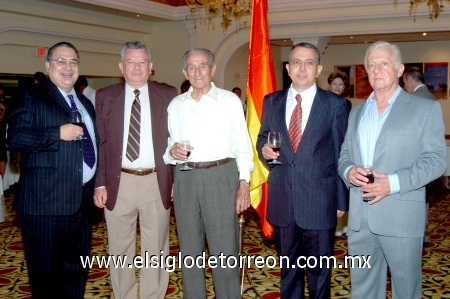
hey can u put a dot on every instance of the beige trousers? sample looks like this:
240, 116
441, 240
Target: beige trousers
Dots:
138, 196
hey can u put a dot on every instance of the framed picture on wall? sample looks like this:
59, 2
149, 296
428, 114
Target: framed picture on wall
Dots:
362, 85
436, 78
349, 70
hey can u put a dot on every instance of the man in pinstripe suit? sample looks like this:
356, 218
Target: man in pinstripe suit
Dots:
57, 174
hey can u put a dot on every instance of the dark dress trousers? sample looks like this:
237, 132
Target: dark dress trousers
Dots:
305, 192
52, 202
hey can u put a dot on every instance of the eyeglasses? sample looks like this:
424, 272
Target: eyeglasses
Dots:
63, 62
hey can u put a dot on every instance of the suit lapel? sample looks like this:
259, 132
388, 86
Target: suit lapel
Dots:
313, 126
397, 111
156, 110
56, 95
357, 121
117, 114
279, 105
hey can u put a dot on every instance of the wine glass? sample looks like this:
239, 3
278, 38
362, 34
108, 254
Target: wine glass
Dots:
369, 175
77, 119
274, 141
187, 147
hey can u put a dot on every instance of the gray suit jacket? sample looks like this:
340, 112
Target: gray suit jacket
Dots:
109, 105
412, 145
424, 92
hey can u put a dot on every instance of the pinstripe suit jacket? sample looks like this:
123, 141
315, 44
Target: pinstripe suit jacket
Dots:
306, 187
109, 105
51, 175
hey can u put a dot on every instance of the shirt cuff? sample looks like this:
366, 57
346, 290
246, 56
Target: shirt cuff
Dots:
394, 183
244, 176
350, 185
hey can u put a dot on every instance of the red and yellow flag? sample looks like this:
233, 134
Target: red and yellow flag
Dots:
260, 81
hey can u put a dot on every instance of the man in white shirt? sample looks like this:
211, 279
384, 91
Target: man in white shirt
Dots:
82, 86
208, 197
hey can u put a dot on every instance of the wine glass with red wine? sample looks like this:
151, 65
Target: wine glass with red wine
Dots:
274, 141
187, 147
369, 175
77, 119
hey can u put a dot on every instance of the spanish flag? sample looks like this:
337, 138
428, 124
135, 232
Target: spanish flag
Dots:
260, 81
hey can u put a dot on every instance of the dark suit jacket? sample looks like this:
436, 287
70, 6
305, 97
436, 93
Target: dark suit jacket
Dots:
110, 106
306, 187
51, 175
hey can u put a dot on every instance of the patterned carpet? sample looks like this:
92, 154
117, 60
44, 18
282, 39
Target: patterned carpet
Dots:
264, 282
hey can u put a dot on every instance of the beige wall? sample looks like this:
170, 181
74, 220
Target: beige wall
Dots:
26, 25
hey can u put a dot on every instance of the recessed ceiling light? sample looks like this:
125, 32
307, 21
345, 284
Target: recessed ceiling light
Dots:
424, 34
138, 16
351, 37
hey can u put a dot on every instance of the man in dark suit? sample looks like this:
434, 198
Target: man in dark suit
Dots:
413, 80
57, 177
132, 178
305, 193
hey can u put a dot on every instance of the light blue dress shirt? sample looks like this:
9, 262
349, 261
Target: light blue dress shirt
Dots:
369, 129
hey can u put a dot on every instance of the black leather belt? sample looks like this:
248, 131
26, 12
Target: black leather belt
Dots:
139, 171
205, 165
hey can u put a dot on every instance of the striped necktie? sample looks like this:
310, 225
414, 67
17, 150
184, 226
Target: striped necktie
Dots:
295, 125
88, 145
134, 132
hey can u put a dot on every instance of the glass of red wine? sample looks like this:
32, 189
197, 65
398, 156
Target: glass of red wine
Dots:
77, 119
369, 175
274, 140
187, 147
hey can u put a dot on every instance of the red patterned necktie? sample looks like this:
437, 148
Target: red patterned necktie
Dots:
295, 125
134, 132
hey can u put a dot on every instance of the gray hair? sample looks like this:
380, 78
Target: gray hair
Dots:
212, 59
415, 73
381, 44
136, 46
305, 45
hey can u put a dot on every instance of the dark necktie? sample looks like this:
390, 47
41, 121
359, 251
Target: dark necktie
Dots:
295, 125
88, 145
134, 132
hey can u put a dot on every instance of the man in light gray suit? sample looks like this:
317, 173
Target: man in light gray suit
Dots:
414, 83
402, 137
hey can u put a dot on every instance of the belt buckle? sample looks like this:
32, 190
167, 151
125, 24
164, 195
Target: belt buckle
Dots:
139, 171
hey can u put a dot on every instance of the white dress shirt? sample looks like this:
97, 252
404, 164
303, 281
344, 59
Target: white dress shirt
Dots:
90, 94
307, 101
215, 127
146, 157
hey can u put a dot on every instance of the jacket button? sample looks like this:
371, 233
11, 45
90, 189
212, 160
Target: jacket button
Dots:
292, 165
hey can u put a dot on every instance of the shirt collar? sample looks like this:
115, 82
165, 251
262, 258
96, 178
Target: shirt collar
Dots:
307, 94
371, 98
212, 93
417, 87
128, 88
